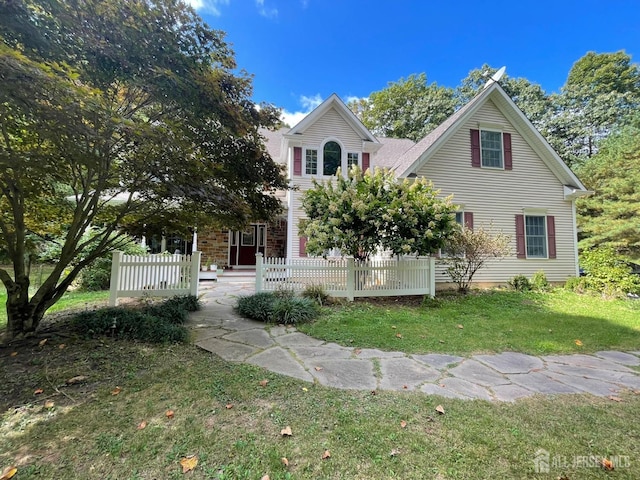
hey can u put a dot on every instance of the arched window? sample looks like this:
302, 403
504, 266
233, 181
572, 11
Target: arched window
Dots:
332, 158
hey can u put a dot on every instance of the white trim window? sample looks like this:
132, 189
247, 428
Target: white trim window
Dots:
311, 161
352, 159
491, 149
536, 236
331, 158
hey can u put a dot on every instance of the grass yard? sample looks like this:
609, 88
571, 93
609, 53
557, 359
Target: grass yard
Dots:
534, 323
232, 423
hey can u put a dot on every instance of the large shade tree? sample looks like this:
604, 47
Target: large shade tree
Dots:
116, 114
363, 212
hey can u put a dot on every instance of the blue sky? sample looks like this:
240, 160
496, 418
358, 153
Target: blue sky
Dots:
302, 51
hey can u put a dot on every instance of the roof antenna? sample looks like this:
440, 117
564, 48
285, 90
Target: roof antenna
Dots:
495, 77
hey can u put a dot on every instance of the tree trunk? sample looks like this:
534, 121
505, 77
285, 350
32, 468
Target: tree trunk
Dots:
23, 316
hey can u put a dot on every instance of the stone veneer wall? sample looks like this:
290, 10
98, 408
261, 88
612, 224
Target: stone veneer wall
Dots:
277, 239
214, 246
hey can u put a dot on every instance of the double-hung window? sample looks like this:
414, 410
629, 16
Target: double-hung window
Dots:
491, 149
311, 162
535, 236
352, 159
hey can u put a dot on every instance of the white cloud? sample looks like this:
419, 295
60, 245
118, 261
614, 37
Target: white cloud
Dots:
208, 6
307, 103
266, 12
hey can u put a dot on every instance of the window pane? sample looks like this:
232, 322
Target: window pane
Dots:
248, 238
311, 162
491, 143
536, 232
332, 158
352, 159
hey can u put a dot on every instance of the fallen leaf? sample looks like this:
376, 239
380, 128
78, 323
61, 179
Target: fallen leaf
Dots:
460, 326
61, 346
393, 326
394, 452
77, 379
305, 389
8, 473
326, 454
169, 414
578, 343
404, 387
189, 463
357, 351
42, 342
142, 425
607, 464
265, 477
116, 391
403, 424
398, 335
441, 341
614, 398
318, 369
373, 392
229, 406
285, 461
49, 404
443, 385
286, 431
263, 383
13, 354
38, 391
440, 409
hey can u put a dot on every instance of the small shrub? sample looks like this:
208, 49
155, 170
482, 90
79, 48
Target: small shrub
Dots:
258, 306
539, 282
608, 273
576, 284
190, 303
294, 310
429, 302
157, 323
520, 283
316, 293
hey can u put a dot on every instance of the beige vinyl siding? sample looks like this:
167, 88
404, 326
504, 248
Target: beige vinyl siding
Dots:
330, 126
496, 196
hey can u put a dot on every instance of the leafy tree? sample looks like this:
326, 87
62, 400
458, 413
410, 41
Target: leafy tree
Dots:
364, 212
611, 216
113, 114
601, 92
408, 108
469, 250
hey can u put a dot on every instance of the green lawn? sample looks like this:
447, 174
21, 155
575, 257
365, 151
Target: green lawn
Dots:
534, 323
224, 416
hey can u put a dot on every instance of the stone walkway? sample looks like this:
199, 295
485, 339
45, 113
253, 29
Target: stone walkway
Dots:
505, 376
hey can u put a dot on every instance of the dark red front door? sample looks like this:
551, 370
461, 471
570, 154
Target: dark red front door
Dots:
245, 245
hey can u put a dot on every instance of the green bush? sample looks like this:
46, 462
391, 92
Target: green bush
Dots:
608, 273
520, 283
277, 307
576, 284
293, 310
539, 282
157, 323
316, 293
257, 307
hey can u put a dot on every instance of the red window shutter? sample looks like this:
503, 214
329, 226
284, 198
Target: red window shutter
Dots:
551, 235
365, 162
475, 148
508, 157
468, 220
303, 247
520, 240
297, 160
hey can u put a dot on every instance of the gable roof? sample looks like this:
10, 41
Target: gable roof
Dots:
422, 151
333, 102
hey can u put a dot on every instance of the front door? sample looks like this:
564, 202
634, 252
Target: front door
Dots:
245, 245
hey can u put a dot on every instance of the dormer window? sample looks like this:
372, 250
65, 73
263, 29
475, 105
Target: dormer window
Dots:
331, 158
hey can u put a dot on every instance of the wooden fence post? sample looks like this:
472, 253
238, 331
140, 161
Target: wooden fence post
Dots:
259, 268
195, 272
432, 276
114, 282
351, 278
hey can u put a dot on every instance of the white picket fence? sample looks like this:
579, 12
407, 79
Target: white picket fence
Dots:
158, 275
346, 277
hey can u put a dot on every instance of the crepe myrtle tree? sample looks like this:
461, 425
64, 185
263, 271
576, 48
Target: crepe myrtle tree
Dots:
363, 212
116, 114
